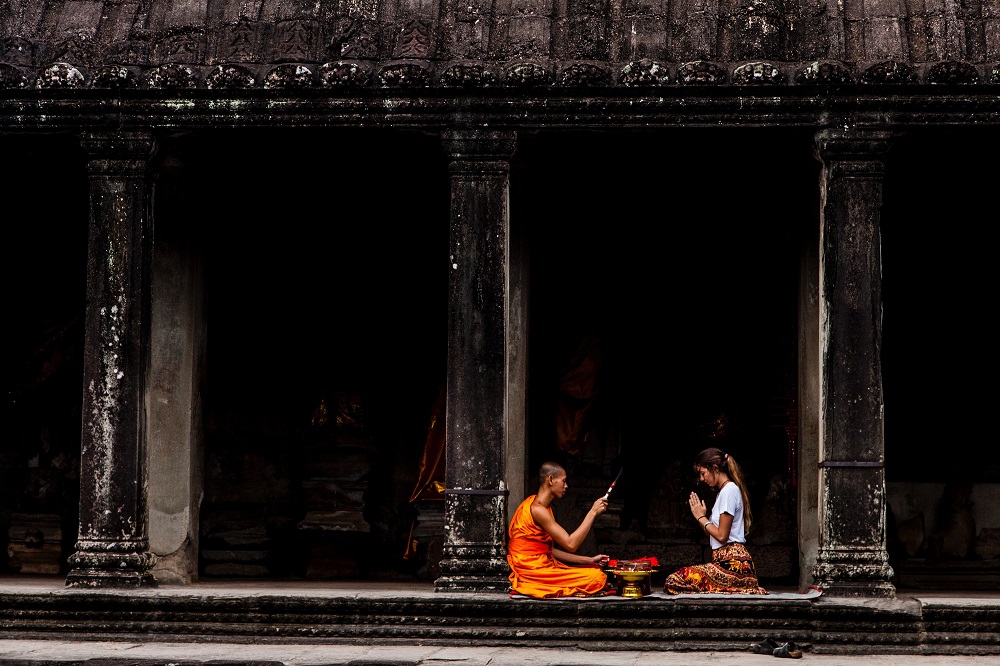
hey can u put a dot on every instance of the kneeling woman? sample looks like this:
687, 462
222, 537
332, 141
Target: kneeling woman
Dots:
731, 569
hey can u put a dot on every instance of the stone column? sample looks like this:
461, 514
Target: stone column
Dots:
113, 550
808, 417
852, 560
177, 353
478, 425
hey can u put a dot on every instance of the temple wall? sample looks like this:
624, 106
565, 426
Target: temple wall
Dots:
855, 32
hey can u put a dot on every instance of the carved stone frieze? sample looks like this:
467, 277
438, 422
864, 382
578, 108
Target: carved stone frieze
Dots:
414, 39
60, 75
230, 76
404, 75
238, 42
584, 74
180, 45
952, 71
11, 77
115, 76
644, 73
289, 76
353, 38
889, 71
468, 76
295, 41
172, 75
824, 73
137, 50
526, 74
342, 75
757, 73
117, 52
76, 47
700, 72
17, 51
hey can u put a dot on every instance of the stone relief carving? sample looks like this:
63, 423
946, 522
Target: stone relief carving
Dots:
76, 47
584, 74
289, 76
756, 73
700, 72
612, 33
60, 75
952, 72
342, 74
414, 40
238, 42
294, 41
115, 76
468, 76
136, 50
186, 45
526, 74
404, 75
888, 71
644, 73
172, 75
826, 73
230, 76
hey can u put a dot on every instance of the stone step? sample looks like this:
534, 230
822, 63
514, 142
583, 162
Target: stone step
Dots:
820, 625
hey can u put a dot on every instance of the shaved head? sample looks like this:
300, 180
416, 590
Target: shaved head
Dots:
549, 468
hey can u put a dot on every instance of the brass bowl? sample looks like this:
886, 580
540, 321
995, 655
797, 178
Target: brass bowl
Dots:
634, 581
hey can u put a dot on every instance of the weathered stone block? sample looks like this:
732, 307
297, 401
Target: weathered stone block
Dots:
527, 8
992, 29
884, 39
642, 38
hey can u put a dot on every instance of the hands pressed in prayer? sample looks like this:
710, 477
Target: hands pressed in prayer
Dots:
697, 505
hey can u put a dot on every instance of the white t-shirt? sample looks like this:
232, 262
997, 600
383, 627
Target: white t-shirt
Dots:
729, 500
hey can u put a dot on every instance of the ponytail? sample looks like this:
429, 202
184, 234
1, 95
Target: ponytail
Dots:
713, 457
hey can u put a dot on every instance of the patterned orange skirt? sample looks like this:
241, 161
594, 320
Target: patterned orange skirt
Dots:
731, 571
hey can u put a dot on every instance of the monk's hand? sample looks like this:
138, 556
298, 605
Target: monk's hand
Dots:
600, 560
600, 506
697, 505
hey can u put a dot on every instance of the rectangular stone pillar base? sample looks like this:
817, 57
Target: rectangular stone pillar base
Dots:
110, 579
876, 590
472, 583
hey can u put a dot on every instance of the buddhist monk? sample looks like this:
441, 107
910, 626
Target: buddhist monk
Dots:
542, 554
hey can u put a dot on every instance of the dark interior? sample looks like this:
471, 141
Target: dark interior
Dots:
677, 251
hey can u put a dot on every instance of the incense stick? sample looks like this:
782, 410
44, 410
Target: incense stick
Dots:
612, 486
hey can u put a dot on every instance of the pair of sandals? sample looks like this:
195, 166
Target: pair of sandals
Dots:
788, 650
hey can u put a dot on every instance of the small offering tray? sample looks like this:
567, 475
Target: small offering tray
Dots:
635, 574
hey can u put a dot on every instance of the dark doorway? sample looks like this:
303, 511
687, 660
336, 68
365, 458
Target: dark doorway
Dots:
668, 264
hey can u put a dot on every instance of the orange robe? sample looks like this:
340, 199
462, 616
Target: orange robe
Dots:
535, 572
